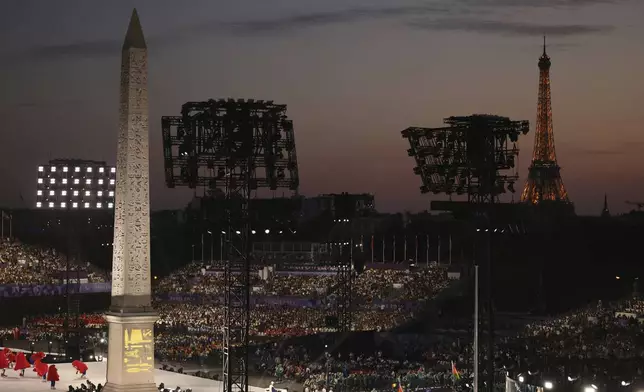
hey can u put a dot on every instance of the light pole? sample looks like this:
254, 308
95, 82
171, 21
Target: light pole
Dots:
212, 245
221, 246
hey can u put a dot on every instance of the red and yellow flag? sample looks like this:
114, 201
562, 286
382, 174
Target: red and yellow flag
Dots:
455, 372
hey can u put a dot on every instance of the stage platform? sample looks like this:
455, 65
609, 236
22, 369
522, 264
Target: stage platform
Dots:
96, 374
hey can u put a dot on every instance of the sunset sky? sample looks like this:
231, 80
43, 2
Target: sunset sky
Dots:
353, 74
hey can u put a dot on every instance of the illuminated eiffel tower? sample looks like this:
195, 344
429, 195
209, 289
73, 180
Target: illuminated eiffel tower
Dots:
544, 178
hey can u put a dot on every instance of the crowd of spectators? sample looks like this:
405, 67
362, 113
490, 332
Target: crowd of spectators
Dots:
594, 343
381, 299
599, 339
373, 283
27, 264
598, 332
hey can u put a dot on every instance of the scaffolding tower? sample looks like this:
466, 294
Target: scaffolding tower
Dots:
234, 146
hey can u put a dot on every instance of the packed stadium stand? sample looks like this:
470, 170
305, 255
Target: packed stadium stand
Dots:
28, 264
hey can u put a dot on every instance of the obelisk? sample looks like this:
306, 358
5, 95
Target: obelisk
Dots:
130, 359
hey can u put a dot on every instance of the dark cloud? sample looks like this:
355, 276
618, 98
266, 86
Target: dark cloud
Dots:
290, 23
509, 28
537, 3
248, 27
294, 22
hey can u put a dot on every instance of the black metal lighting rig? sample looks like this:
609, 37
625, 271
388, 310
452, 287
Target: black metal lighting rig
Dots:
235, 146
470, 156
74, 191
197, 143
344, 290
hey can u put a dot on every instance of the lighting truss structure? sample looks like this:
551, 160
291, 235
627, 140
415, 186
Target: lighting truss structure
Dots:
75, 184
342, 248
198, 145
235, 146
344, 289
471, 155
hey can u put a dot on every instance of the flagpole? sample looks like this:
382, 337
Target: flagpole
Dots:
476, 328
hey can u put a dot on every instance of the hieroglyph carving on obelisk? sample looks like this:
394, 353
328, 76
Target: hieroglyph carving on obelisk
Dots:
131, 259
130, 359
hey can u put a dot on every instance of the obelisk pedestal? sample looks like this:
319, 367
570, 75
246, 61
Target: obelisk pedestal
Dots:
130, 357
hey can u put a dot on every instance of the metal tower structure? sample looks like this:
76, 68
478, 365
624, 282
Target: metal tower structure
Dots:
471, 155
222, 144
544, 181
72, 190
344, 291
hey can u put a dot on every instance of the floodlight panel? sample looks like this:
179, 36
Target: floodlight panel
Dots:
88, 185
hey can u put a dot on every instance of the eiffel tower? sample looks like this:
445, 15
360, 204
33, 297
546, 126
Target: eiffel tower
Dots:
544, 176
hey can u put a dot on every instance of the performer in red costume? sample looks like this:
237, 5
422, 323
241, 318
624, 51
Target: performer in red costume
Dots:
21, 364
41, 369
4, 363
80, 368
52, 376
36, 356
11, 357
